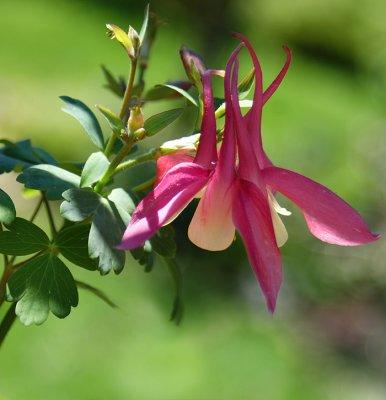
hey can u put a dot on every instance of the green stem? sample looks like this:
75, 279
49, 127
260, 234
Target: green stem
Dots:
110, 143
3, 282
113, 165
123, 115
148, 156
7, 322
50, 216
36, 210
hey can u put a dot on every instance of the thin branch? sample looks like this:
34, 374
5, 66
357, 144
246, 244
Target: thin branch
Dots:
7, 322
50, 216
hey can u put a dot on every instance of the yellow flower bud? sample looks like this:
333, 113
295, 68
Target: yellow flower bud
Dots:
136, 119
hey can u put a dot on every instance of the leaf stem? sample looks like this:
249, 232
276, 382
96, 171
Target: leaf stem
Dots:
50, 216
7, 322
3, 282
113, 165
148, 156
123, 115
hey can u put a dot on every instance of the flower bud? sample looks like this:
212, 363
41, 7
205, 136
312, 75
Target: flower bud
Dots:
135, 40
136, 119
193, 64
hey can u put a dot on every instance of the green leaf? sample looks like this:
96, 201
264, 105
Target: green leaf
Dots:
113, 120
106, 233
41, 285
157, 122
72, 243
109, 219
246, 83
163, 242
182, 92
171, 90
7, 208
50, 179
122, 199
95, 167
144, 256
220, 112
143, 30
115, 85
79, 204
178, 307
86, 118
20, 155
22, 238
97, 292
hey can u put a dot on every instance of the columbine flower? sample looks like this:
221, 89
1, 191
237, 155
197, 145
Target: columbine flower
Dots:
248, 203
180, 184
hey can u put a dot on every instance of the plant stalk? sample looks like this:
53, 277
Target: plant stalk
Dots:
7, 322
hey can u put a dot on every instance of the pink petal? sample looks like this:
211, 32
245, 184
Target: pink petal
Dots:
279, 78
248, 164
252, 217
169, 197
212, 227
253, 117
206, 150
165, 163
328, 217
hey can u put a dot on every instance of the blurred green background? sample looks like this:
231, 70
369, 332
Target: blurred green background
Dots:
327, 339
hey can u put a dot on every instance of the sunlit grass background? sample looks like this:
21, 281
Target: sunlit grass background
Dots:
327, 339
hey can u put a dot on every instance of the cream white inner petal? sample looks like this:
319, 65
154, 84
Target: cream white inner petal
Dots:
281, 233
277, 207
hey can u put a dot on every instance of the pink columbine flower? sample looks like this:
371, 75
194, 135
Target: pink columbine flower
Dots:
241, 196
181, 183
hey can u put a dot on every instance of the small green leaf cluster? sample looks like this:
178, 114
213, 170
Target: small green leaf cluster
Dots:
40, 263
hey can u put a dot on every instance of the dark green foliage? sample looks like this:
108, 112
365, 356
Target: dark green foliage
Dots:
109, 218
49, 179
41, 285
7, 208
72, 243
23, 238
19, 155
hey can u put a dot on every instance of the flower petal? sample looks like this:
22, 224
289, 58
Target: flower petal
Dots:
252, 217
169, 197
328, 217
206, 151
165, 163
212, 227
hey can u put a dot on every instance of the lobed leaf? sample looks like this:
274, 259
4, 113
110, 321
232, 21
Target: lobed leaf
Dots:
72, 242
43, 284
109, 219
22, 238
50, 179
